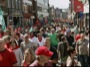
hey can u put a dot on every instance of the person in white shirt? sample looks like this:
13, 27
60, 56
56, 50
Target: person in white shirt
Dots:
70, 60
40, 39
18, 53
27, 44
32, 38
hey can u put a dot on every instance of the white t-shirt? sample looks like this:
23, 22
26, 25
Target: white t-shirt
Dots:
69, 62
42, 42
34, 39
19, 56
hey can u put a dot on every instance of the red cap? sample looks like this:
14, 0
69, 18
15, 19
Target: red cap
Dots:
43, 50
78, 36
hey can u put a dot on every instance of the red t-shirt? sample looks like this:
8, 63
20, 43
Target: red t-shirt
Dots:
7, 45
25, 64
7, 58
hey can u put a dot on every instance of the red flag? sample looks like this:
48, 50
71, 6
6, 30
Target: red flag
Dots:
78, 6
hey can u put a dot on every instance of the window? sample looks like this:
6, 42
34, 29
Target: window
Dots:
25, 9
16, 4
39, 8
19, 4
13, 3
9, 3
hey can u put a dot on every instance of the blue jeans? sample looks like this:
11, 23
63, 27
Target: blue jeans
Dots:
83, 60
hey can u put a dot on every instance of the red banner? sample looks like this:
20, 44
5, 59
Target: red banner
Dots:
78, 6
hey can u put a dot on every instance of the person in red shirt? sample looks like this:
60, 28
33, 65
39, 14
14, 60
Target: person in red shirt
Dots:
18, 53
43, 55
7, 41
7, 57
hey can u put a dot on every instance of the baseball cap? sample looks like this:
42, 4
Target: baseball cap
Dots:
43, 50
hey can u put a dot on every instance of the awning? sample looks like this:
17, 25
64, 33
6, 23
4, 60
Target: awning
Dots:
86, 9
27, 15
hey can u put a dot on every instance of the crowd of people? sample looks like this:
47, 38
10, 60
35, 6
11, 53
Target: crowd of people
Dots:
44, 46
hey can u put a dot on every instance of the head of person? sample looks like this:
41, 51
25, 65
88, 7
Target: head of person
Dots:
39, 35
31, 33
63, 38
68, 32
17, 35
47, 42
71, 52
7, 39
29, 56
82, 36
13, 43
26, 37
2, 43
43, 54
53, 30
7, 32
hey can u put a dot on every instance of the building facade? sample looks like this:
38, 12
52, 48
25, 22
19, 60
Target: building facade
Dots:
84, 21
4, 9
12, 11
27, 12
58, 13
52, 12
42, 8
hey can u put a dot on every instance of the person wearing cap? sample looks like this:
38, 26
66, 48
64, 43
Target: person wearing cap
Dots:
43, 55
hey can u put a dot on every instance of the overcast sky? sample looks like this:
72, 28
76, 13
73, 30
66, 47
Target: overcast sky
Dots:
63, 4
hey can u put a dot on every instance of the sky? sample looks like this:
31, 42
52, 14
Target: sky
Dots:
63, 4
